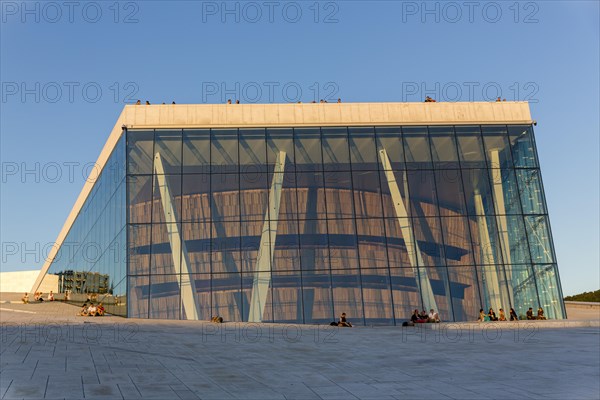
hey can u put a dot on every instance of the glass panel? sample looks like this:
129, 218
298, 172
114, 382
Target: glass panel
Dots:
168, 145
443, 147
465, 293
429, 237
307, 143
311, 195
516, 239
226, 296
138, 296
416, 148
224, 151
225, 203
523, 286
342, 244
226, 247
371, 243
421, 186
280, 140
284, 301
523, 150
254, 196
171, 201
140, 152
316, 295
478, 192
286, 255
246, 295
496, 146
362, 149
139, 250
367, 194
539, 239
532, 196
250, 245
470, 147
440, 286
116, 302
314, 245
347, 295
400, 180
198, 245
377, 296
196, 151
405, 293
505, 191
486, 244
457, 241
336, 155
400, 253
140, 198
288, 203
450, 192
161, 259
390, 139
338, 194
549, 291
164, 297
196, 198
202, 292
253, 155
493, 287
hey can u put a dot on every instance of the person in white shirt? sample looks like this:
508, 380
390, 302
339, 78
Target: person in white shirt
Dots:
51, 296
433, 316
92, 310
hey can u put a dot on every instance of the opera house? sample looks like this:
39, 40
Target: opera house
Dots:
295, 213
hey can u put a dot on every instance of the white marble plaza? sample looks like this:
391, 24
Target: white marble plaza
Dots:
49, 353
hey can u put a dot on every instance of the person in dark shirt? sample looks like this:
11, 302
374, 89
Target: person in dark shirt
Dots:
513, 315
530, 313
344, 322
492, 315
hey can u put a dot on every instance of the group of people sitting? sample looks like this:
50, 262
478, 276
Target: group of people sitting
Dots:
91, 310
423, 317
540, 314
37, 296
491, 315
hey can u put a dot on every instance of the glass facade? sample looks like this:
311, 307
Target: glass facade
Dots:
301, 224
91, 263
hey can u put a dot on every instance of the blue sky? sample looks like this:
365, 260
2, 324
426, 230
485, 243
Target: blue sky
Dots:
68, 69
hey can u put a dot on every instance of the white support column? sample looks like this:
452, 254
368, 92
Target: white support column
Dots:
498, 193
412, 246
490, 274
178, 249
266, 249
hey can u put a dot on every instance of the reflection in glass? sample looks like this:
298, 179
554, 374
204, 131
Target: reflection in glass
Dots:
371, 221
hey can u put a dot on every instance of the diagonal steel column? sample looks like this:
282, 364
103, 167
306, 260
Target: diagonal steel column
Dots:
500, 209
490, 277
414, 252
178, 249
266, 249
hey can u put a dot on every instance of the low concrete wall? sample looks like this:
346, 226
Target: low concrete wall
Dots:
580, 310
582, 304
